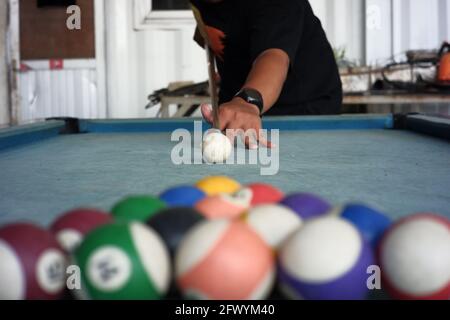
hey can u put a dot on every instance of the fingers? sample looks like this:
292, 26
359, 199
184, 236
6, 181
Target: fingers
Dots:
231, 135
247, 133
250, 140
242, 124
264, 142
207, 113
255, 137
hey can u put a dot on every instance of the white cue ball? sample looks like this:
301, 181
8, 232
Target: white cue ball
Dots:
216, 147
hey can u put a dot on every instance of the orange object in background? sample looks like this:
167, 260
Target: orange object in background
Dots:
444, 66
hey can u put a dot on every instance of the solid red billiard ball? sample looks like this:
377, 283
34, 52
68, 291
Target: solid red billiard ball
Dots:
71, 227
263, 193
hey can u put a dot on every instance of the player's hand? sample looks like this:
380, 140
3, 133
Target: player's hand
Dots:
239, 115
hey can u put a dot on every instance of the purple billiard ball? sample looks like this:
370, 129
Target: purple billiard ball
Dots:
306, 205
326, 259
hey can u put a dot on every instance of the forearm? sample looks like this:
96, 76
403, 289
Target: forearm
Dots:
268, 75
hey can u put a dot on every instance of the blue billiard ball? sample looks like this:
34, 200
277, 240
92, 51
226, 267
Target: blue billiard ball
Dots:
182, 196
371, 223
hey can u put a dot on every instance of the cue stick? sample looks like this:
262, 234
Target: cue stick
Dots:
211, 62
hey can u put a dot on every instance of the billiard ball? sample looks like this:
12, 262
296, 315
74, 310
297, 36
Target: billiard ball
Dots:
182, 196
216, 147
326, 259
137, 208
306, 205
71, 227
414, 257
264, 193
32, 264
225, 205
123, 261
224, 260
273, 222
173, 224
370, 222
215, 185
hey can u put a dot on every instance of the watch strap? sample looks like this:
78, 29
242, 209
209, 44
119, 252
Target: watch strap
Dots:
252, 96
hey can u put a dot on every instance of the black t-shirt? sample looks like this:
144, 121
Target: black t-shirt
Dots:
240, 30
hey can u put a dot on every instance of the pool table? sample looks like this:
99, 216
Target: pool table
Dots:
399, 164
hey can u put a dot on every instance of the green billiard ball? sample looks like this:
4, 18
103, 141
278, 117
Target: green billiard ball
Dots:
137, 208
123, 261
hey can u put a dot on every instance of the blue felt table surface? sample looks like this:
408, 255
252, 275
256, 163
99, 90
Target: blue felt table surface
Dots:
398, 172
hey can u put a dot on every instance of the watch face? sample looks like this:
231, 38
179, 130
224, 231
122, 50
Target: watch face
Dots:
252, 100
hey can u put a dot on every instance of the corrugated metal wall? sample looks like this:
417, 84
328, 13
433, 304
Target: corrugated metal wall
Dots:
395, 26
140, 62
71, 92
343, 22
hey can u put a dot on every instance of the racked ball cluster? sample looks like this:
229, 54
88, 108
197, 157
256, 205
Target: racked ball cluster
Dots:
218, 239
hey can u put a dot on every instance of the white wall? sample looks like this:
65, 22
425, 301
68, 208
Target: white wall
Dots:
375, 30
4, 90
343, 22
405, 25
140, 62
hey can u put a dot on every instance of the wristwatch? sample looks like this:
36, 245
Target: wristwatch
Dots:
252, 96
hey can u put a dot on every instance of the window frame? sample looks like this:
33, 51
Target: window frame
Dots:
146, 18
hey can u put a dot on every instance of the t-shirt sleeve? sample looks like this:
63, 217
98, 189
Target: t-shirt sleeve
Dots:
276, 24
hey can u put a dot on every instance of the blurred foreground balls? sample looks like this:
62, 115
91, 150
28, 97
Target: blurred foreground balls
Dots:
370, 222
326, 259
263, 193
32, 264
182, 196
225, 205
415, 258
218, 184
137, 208
173, 224
71, 227
224, 260
274, 223
123, 262
306, 205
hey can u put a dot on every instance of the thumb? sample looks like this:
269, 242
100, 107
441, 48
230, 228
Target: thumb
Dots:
207, 113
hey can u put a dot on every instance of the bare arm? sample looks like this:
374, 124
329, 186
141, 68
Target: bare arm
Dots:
268, 75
